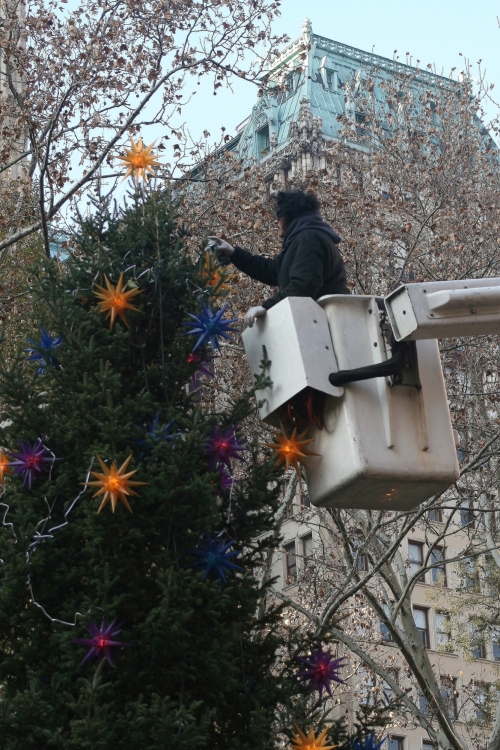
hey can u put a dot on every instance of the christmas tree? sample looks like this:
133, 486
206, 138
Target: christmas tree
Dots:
122, 519
134, 515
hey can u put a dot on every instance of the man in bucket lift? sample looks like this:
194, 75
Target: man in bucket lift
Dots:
309, 264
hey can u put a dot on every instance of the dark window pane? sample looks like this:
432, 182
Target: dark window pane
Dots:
416, 559
290, 561
438, 572
449, 695
385, 632
423, 703
307, 547
421, 621
435, 515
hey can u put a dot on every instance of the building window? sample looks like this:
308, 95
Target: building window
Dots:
366, 686
303, 496
289, 509
495, 637
421, 618
396, 743
331, 79
263, 141
449, 695
290, 84
416, 559
471, 576
439, 569
467, 514
360, 559
428, 745
384, 629
290, 562
478, 645
388, 694
307, 549
481, 695
363, 562
423, 703
443, 634
361, 123
435, 515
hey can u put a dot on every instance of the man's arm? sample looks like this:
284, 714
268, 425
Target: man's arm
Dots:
259, 268
306, 270
255, 266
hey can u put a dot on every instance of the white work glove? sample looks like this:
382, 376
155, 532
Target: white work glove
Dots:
252, 313
224, 249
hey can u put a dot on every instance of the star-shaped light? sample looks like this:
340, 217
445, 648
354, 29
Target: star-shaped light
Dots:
115, 301
291, 449
221, 447
103, 638
31, 460
157, 432
321, 670
368, 743
42, 351
215, 276
4, 465
227, 481
114, 484
210, 326
139, 160
215, 557
203, 364
311, 742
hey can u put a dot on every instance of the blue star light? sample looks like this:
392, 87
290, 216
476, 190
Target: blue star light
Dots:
368, 743
210, 326
156, 432
42, 351
215, 557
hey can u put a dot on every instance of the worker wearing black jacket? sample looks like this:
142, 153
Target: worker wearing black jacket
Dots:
309, 264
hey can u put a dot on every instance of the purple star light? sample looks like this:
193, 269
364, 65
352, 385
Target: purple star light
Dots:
221, 447
227, 482
31, 460
102, 640
215, 556
210, 326
321, 670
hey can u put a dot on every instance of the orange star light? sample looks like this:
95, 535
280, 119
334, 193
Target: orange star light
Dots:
115, 301
114, 484
214, 276
301, 742
139, 160
290, 450
4, 465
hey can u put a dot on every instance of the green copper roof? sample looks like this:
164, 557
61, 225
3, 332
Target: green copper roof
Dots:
318, 70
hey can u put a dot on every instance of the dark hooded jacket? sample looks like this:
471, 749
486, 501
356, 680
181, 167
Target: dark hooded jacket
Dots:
309, 265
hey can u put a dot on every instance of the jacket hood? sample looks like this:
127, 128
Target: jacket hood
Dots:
313, 220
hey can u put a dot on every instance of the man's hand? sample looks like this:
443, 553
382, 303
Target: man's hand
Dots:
252, 314
224, 249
